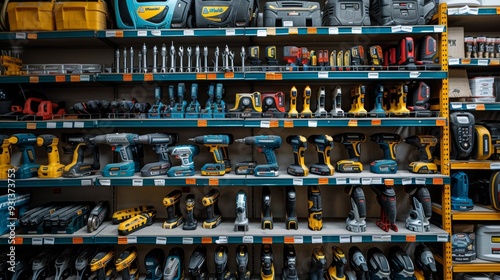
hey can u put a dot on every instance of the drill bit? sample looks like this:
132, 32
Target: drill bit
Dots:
172, 58
125, 69
144, 58
117, 60
205, 55
216, 65
164, 58
181, 55
226, 58
243, 57
131, 60
197, 56
231, 57
155, 53
189, 53
139, 58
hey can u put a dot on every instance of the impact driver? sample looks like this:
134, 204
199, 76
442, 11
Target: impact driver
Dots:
266, 214
289, 271
215, 143
242, 272
174, 216
425, 263
54, 168
315, 209
220, 257
352, 142
425, 145
336, 269
318, 264
191, 223
388, 142
160, 142
291, 221
126, 264
241, 222
211, 203
306, 106
323, 144
299, 145
101, 263
78, 167
266, 144
5, 153
358, 101
130, 154
266, 262
358, 264
26, 143
198, 264
292, 112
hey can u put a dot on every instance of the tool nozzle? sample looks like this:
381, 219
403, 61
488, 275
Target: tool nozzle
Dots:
192, 139
239, 140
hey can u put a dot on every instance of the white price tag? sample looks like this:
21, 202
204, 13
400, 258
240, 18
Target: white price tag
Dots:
317, 239
323, 75
288, 23
137, 182
67, 125
333, 30
495, 165
188, 32
142, 33
414, 74
161, 240
84, 78
354, 181
396, 28
470, 106
37, 241
86, 182
248, 239
51, 125
110, 33
381, 238
105, 182
187, 240
156, 32
406, 181
483, 62
298, 182
366, 181
454, 61
341, 181
20, 35
407, 29
452, 11
265, 124
345, 239
456, 105
312, 123
442, 238
439, 29
298, 239
420, 181
159, 182
473, 11
49, 241
261, 33
373, 75
222, 240
230, 32
79, 125
463, 10
356, 239
356, 30
377, 181
131, 239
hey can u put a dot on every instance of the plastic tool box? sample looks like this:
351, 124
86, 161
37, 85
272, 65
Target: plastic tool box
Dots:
292, 14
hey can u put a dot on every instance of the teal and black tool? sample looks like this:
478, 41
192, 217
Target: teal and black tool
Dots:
26, 143
388, 142
153, 14
460, 192
378, 107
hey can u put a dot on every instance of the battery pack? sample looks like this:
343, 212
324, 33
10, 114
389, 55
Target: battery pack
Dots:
488, 243
232, 13
346, 12
401, 12
31, 16
494, 129
292, 14
482, 147
495, 190
81, 15
155, 14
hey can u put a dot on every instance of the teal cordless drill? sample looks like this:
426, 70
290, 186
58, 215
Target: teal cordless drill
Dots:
26, 143
179, 109
388, 142
156, 110
186, 154
130, 153
194, 108
266, 144
215, 143
160, 142
208, 111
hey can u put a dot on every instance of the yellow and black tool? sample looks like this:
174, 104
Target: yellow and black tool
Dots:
352, 142
333, 60
358, 101
482, 148
247, 105
291, 221
292, 112
318, 264
306, 106
266, 214
425, 145
211, 203
125, 214
127, 265
54, 168
299, 145
340, 60
215, 143
397, 100
315, 218
101, 262
78, 167
323, 144
136, 223
191, 223
376, 57
271, 58
266, 262
347, 60
336, 269
5, 153
253, 55
174, 216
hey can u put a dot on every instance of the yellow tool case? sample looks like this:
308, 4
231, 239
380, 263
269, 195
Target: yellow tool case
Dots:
81, 15
31, 16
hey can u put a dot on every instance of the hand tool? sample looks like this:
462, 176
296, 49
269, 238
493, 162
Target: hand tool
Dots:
292, 112
242, 272
253, 55
378, 265
290, 261
160, 142
220, 257
347, 60
299, 145
125, 58
153, 263
156, 110
125, 214
101, 262
131, 60
352, 142
205, 57
78, 167
266, 262
189, 52
216, 61
340, 60
127, 265
43, 265
336, 268
315, 208
97, 216
460, 192
337, 102
211, 203
54, 168
266, 215
378, 106
273, 105
197, 58
25, 142
198, 264
388, 143
190, 222
155, 59
320, 103
323, 144
401, 264
333, 60
318, 264
425, 263
21, 270
355, 221
193, 108
231, 57
462, 127
117, 60
306, 106
418, 219
376, 57
419, 103
214, 142
405, 53
265, 144
136, 223
386, 198
220, 106
271, 59
174, 265
358, 101
82, 262
144, 58
425, 145
179, 109
129, 151
225, 61
64, 264
247, 105
181, 57
291, 221
5, 153
241, 222
243, 56
139, 62
174, 216
172, 58
186, 154
358, 263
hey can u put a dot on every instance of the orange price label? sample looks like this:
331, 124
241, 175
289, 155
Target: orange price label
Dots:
271, 31
437, 181
18, 241
31, 126
267, 240
77, 240
465, 60
293, 30
322, 181
127, 77
32, 36
312, 30
289, 240
352, 123
376, 122
201, 76
498, 11
148, 77
60, 78
190, 181
75, 78
213, 182
389, 182
495, 62
273, 123
270, 76
119, 34
212, 76
206, 240
122, 240
202, 123
411, 238
229, 75
440, 122
288, 123
278, 76
34, 79
480, 107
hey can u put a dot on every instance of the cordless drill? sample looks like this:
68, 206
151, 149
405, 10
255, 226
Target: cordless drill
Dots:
127, 265
425, 145
266, 144
323, 144
211, 203
174, 216
320, 103
337, 110
266, 215
396, 100
198, 264
352, 142
299, 145
5, 154
318, 264
78, 167
401, 264
241, 222
242, 272
26, 143
160, 142
220, 257
315, 209
185, 153
388, 142
101, 262
215, 144
130, 154
290, 261
425, 263
54, 168
292, 111
378, 265
266, 262
193, 108
336, 269
156, 110
418, 219
355, 221
358, 101
291, 221
386, 198
378, 106
306, 106
190, 223
358, 263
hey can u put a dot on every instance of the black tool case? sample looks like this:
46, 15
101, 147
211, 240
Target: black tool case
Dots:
401, 12
232, 13
346, 13
292, 14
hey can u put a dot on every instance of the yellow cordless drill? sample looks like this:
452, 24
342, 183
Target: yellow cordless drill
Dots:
352, 142
5, 153
315, 219
127, 264
336, 269
174, 216
358, 101
299, 145
292, 112
306, 107
211, 203
425, 145
54, 169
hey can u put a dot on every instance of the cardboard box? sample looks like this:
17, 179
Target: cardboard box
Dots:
456, 46
458, 83
482, 86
